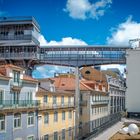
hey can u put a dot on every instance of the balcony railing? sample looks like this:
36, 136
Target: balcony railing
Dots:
57, 105
11, 104
30, 37
100, 102
16, 84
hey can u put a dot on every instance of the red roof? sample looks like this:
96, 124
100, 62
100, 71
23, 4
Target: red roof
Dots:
65, 83
29, 78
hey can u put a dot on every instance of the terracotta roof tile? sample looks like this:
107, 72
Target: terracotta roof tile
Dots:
29, 78
11, 66
65, 83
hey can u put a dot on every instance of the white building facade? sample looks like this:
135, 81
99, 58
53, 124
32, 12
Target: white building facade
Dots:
117, 91
133, 83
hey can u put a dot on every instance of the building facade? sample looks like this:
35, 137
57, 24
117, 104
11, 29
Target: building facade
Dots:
132, 82
96, 113
56, 112
18, 116
117, 91
94, 102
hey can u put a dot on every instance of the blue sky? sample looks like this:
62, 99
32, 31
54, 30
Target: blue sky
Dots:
79, 21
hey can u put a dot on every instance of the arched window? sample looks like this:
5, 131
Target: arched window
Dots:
2, 122
17, 120
55, 116
46, 118
30, 118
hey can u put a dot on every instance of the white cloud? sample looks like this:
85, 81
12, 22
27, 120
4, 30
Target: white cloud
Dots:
64, 41
42, 40
124, 32
83, 9
68, 41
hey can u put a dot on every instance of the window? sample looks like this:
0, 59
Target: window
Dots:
16, 97
55, 116
19, 33
46, 99
17, 120
70, 114
30, 138
62, 100
55, 135
46, 118
1, 97
81, 111
81, 97
63, 134
2, 122
4, 33
93, 98
63, 115
93, 125
46, 137
69, 100
16, 76
70, 132
54, 99
30, 118
29, 98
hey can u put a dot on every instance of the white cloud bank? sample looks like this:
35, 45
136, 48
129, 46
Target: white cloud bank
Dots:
64, 41
83, 9
124, 32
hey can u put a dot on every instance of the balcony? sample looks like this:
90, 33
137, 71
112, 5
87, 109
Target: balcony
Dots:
20, 104
16, 85
83, 103
18, 38
55, 106
101, 102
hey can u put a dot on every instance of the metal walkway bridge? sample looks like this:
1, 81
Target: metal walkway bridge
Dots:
75, 56
83, 55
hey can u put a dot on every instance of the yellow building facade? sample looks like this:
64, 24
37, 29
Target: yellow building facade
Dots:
56, 114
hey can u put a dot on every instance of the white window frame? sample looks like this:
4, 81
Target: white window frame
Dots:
30, 119
30, 136
46, 115
17, 121
55, 116
2, 120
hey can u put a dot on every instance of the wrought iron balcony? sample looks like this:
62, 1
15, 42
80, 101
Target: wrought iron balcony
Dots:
18, 104
17, 84
100, 102
55, 106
